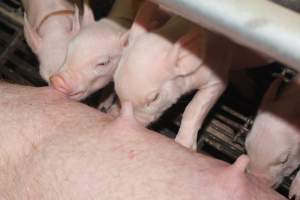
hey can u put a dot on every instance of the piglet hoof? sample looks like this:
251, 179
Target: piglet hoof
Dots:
295, 188
106, 105
114, 110
186, 143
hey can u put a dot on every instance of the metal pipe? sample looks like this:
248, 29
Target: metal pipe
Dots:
291, 4
11, 15
258, 24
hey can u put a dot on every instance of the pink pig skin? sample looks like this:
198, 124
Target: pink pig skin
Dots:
66, 150
273, 142
48, 26
94, 54
160, 66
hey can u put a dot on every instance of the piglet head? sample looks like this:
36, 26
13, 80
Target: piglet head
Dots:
151, 73
273, 144
91, 59
273, 149
50, 39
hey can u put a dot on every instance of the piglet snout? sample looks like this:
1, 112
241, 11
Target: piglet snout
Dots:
59, 83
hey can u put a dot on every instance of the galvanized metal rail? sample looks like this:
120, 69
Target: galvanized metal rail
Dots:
12, 9
258, 24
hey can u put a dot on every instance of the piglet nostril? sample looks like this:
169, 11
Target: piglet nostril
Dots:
60, 84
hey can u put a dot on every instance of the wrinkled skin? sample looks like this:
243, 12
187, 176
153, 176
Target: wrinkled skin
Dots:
158, 67
48, 34
67, 150
94, 54
273, 143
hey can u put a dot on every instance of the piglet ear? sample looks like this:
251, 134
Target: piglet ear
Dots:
188, 53
75, 21
149, 17
32, 37
88, 16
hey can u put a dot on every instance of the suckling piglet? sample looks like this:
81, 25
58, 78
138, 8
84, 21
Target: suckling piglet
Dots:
93, 55
158, 67
48, 26
273, 143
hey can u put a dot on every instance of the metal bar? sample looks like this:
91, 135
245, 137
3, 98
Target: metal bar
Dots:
258, 24
229, 122
234, 113
9, 48
12, 15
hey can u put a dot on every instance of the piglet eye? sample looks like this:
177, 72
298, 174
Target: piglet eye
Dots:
155, 97
284, 158
152, 97
106, 62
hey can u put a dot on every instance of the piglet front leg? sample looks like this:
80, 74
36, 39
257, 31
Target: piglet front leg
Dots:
295, 188
212, 77
196, 112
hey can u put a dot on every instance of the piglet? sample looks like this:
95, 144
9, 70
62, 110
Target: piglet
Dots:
273, 143
67, 150
48, 27
94, 54
158, 67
